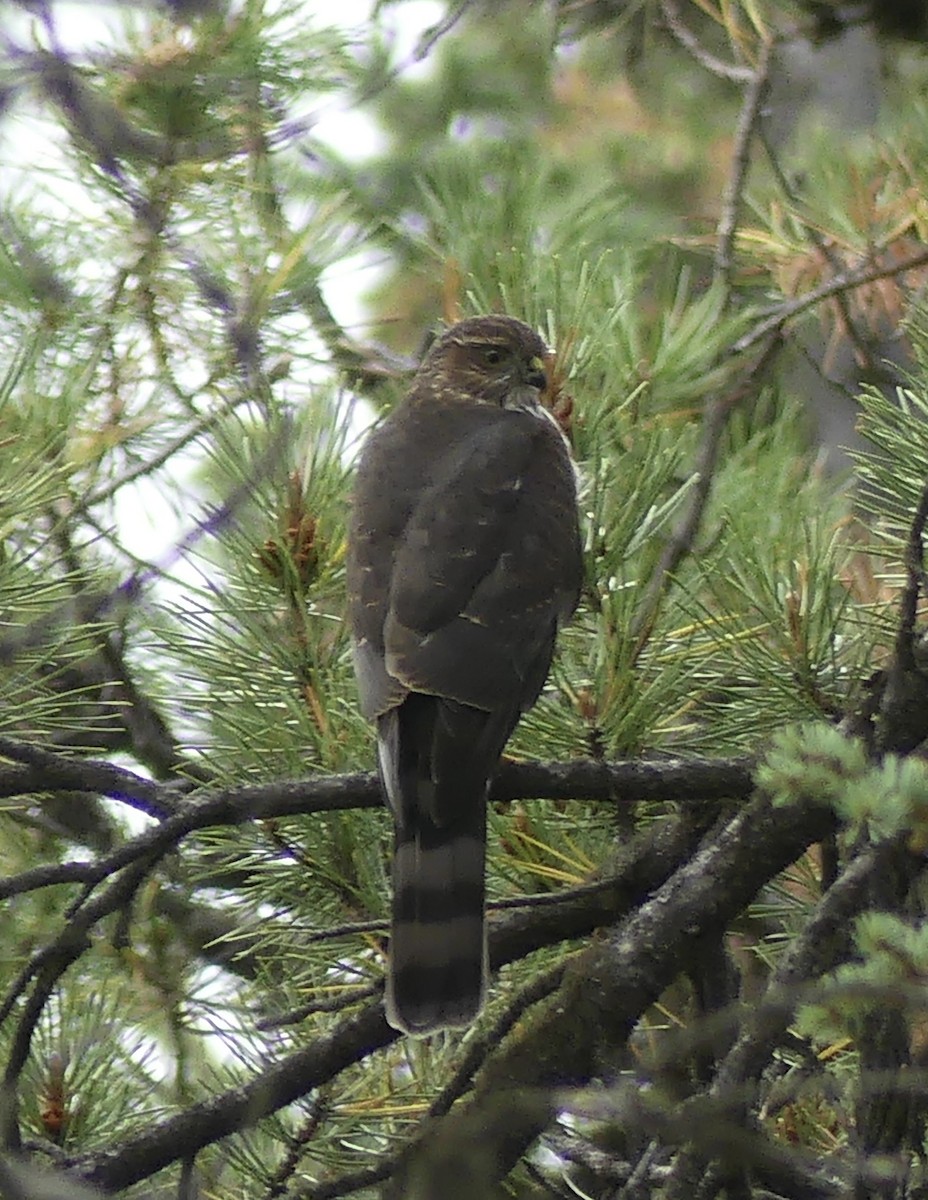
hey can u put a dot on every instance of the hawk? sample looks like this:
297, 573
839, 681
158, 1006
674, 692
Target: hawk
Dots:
463, 560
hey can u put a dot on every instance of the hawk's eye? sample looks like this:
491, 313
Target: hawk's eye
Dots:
492, 355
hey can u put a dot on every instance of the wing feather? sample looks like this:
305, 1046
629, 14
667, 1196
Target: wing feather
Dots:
462, 565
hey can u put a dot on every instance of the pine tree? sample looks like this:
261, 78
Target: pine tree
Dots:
705, 843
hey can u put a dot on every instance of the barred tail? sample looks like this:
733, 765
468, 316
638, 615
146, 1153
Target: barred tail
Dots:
438, 960
435, 760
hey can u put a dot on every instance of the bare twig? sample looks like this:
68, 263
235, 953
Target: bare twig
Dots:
716, 415
278, 1185
344, 1185
478, 1050
673, 19
748, 118
346, 997
431, 36
50, 875
914, 584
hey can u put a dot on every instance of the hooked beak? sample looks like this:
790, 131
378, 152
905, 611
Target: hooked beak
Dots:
537, 376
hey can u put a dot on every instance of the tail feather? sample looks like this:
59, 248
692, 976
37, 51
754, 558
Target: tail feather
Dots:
438, 959
436, 760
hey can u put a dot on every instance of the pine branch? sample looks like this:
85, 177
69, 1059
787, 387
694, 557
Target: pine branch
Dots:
46, 967
183, 1135
787, 1170
640, 869
608, 987
685, 781
683, 539
825, 249
821, 945
893, 716
44, 770
777, 316
673, 19
745, 131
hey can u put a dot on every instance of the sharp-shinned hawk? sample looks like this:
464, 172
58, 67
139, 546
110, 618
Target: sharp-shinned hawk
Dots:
463, 560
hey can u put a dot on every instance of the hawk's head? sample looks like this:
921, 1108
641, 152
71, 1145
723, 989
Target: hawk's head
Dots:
490, 360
